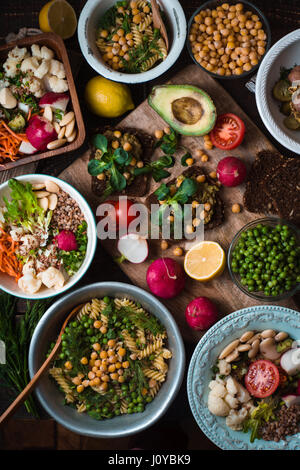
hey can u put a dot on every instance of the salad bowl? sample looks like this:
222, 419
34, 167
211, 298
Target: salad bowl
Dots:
8, 283
204, 357
51, 397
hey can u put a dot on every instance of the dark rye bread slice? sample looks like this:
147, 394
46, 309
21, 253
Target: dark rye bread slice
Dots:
283, 187
218, 216
139, 186
256, 199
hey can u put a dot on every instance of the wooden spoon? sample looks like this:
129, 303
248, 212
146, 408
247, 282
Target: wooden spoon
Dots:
29, 388
158, 22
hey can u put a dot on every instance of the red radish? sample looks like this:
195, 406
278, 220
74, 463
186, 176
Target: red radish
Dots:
133, 248
290, 361
201, 313
66, 241
231, 171
40, 132
55, 100
165, 278
27, 148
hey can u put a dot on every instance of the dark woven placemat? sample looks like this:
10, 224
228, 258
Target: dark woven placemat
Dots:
283, 15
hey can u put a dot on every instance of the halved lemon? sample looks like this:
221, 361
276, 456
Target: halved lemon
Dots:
204, 261
59, 17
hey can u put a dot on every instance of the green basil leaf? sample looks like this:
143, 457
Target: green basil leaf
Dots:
100, 142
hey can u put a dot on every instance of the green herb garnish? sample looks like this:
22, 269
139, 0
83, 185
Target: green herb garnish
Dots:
157, 168
263, 413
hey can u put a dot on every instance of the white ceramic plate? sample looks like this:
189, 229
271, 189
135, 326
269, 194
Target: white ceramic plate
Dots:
8, 284
87, 28
285, 53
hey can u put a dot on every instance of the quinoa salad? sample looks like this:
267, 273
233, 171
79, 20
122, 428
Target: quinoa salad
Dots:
43, 235
256, 384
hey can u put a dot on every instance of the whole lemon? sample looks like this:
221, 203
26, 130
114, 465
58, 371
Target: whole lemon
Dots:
107, 98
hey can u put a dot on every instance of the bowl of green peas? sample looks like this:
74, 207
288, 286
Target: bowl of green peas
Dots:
264, 259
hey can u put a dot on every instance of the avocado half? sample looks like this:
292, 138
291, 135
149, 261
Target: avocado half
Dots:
186, 108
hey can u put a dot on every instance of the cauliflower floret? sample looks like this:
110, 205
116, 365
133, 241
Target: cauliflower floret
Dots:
29, 268
36, 51
232, 386
57, 68
231, 401
29, 284
235, 418
10, 67
58, 85
52, 277
29, 64
217, 388
217, 405
46, 53
224, 367
35, 86
18, 53
43, 69
243, 395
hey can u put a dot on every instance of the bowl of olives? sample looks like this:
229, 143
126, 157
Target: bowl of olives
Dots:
277, 91
264, 259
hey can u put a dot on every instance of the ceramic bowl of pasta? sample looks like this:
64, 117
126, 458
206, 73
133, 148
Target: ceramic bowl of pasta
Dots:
120, 42
48, 236
120, 364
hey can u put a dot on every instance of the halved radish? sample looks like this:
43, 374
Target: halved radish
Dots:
133, 248
55, 100
27, 148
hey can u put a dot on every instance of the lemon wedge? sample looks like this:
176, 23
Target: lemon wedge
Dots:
204, 261
59, 17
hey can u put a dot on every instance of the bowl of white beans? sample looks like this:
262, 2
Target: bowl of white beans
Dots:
228, 40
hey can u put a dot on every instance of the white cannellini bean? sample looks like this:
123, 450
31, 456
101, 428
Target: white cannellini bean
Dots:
55, 144
70, 128
52, 199
254, 349
246, 336
244, 347
56, 127
281, 336
38, 186
251, 340
43, 203
52, 187
48, 114
268, 333
40, 194
232, 356
61, 133
229, 348
72, 137
67, 118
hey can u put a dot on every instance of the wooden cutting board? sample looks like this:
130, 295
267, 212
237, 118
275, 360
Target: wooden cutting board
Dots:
222, 291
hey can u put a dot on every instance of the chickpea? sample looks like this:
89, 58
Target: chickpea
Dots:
189, 161
101, 177
213, 174
167, 130
137, 18
159, 134
96, 381
196, 222
104, 33
103, 330
127, 146
121, 379
115, 144
178, 251
204, 158
208, 145
140, 164
200, 178
91, 375
80, 388
170, 218
121, 352
189, 229
103, 386
164, 245
84, 360
236, 208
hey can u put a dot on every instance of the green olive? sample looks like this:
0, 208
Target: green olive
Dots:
291, 123
281, 91
285, 108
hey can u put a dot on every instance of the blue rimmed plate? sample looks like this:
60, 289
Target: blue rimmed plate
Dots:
205, 355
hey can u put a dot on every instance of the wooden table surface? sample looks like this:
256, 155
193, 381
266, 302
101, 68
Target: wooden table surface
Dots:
177, 429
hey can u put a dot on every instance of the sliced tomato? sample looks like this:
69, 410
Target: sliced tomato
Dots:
228, 132
262, 378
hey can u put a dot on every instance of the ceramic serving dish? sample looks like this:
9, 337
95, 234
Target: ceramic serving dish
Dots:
53, 400
285, 53
205, 355
87, 28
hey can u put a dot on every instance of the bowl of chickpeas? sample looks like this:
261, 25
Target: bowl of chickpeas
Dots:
120, 41
228, 40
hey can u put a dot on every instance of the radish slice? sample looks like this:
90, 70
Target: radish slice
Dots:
290, 361
40, 132
24, 107
27, 148
291, 400
55, 100
133, 247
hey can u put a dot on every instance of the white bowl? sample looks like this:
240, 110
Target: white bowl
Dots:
87, 27
285, 53
8, 284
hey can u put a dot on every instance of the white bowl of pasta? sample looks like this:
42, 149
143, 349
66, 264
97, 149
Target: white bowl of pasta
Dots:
120, 365
120, 42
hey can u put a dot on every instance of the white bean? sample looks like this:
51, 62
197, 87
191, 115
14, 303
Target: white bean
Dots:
232, 356
52, 187
41, 194
246, 336
254, 349
229, 348
56, 127
55, 144
43, 203
281, 336
48, 114
67, 118
244, 347
72, 137
268, 333
251, 340
52, 201
70, 128
61, 133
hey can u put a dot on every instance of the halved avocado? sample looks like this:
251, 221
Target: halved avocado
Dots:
186, 108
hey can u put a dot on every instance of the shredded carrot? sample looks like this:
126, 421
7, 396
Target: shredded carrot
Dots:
9, 142
9, 262
29, 114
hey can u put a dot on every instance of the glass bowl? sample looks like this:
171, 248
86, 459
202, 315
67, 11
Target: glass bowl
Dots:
236, 278
213, 4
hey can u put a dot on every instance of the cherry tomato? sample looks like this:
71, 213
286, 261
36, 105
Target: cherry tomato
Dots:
228, 132
262, 378
120, 213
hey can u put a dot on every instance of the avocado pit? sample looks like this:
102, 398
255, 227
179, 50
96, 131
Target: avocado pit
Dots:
187, 110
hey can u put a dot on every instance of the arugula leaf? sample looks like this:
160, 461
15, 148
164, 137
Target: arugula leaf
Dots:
260, 415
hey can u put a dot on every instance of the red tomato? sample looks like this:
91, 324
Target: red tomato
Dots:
120, 213
228, 132
262, 378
